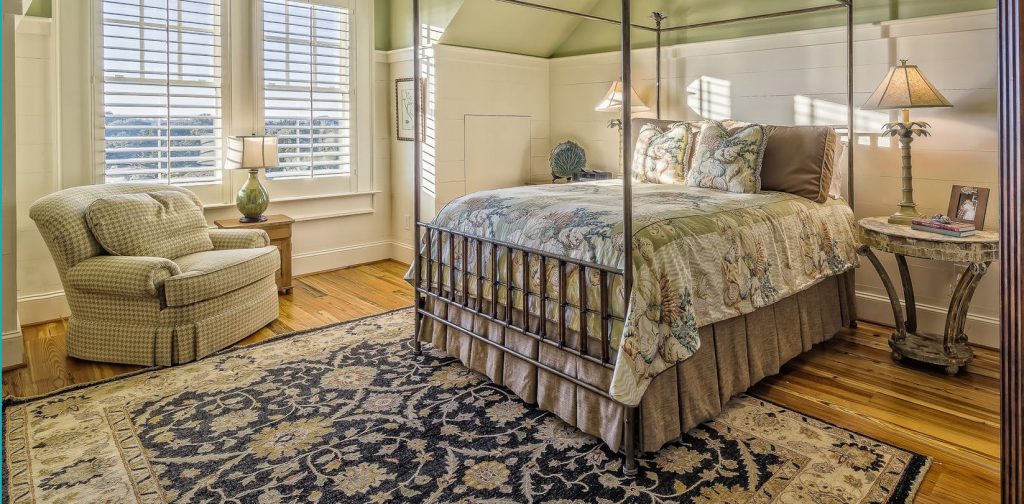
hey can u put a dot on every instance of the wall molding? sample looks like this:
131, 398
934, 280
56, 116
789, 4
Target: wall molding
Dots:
13, 349
45, 307
305, 263
982, 330
402, 251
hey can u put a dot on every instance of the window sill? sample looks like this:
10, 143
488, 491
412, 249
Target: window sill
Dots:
310, 197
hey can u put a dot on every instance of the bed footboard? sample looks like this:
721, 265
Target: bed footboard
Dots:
555, 301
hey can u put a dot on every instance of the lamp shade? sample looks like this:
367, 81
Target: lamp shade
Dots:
905, 87
253, 152
612, 101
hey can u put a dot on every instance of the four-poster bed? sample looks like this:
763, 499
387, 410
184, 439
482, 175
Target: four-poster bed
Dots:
563, 327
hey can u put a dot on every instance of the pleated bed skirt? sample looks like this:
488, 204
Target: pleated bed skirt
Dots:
734, 355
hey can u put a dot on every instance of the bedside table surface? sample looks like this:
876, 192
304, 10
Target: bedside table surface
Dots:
272, 220
878, 233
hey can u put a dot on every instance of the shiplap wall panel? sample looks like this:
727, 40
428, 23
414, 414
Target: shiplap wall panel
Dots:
764, 77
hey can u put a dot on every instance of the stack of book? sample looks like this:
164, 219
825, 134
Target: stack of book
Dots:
956, 229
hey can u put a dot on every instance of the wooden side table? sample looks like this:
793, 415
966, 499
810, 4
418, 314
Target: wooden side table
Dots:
279, 227
978, 251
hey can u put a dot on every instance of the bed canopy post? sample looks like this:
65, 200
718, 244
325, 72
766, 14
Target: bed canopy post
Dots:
629, 416
417, 171
850, 142
659, 18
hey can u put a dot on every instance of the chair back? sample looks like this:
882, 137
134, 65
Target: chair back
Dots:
60, 218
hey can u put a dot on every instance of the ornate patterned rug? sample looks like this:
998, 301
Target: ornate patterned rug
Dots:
347, 414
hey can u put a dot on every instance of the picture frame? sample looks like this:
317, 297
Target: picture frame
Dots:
967, 205
404, 107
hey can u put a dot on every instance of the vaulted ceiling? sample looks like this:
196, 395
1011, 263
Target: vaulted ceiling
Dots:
499, 26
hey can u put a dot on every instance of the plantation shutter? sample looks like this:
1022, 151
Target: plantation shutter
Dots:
161, 90
306, 72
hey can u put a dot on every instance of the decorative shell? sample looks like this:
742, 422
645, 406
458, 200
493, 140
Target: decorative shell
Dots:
567, 159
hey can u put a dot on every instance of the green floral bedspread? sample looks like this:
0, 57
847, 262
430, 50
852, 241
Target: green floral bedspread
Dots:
700, 256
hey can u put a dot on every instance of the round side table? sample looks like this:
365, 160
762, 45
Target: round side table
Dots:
978, 251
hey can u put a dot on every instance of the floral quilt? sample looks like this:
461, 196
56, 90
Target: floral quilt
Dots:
700, 256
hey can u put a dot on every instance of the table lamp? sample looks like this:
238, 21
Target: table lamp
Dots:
253, 153
612, 102
905, 87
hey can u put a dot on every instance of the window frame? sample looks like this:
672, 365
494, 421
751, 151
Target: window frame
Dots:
208, 191
241, 54
297, 186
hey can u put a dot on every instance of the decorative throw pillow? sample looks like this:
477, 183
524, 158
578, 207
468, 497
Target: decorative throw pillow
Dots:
800, 160
662, 157
729, 159
164, 224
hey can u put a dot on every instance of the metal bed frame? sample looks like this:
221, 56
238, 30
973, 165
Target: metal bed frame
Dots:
459, 296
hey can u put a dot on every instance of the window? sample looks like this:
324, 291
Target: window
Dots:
161, 90
306, 95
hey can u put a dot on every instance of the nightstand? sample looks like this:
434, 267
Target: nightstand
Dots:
979, 251
279, 227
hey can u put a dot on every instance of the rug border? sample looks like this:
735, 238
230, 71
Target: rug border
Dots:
907, 487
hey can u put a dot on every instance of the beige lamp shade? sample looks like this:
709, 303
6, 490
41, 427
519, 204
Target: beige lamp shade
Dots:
905, 87
612, 102
253, 152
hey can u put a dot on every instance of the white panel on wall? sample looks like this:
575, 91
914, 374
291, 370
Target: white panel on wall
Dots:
498, 152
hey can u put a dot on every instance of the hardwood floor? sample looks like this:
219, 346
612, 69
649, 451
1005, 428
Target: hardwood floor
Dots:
850, 381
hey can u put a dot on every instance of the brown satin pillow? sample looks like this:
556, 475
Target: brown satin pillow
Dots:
800, 160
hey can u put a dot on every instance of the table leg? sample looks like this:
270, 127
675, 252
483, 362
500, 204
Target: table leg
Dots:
897, 311
908, 293
959, 304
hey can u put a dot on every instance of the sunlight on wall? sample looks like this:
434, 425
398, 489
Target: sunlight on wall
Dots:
868, 123
430, 35
711, 98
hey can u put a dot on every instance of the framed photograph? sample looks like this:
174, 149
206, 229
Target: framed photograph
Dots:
967, 205
405, 106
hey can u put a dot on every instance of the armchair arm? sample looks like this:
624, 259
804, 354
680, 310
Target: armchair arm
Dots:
225, 239
125, 276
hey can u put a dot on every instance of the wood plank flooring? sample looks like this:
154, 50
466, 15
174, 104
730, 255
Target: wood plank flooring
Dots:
850, 381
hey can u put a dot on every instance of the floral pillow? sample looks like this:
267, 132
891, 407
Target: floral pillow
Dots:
661, 157
729, 157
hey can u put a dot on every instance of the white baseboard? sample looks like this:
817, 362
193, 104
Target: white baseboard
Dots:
43, 307
401, 252
982, 330
323, 260
13, 349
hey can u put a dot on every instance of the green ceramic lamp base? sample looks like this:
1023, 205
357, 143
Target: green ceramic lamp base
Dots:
252, 199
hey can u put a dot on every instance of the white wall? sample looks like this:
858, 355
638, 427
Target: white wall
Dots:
37, 173
503, 94
800, 78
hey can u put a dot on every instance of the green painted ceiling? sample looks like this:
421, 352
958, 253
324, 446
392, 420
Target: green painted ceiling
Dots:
489, 24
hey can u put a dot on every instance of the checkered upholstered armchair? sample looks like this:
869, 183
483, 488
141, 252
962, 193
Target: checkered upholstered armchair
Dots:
152, 310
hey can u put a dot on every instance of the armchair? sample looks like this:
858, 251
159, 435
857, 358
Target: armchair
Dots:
151, 310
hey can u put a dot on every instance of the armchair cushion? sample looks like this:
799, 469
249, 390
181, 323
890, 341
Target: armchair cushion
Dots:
122, 276
225, 239
164, 224
206, 275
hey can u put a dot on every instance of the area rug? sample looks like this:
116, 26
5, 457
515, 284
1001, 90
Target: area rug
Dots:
348, 414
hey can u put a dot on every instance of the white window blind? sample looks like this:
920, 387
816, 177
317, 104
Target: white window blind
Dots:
161, 90
306, 93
